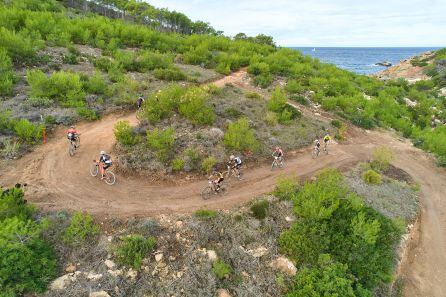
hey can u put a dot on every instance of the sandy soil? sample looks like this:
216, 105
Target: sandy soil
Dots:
57, 181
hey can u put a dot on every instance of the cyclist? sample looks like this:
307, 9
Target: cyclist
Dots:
317, 146
278, 153
216, 178
327, 139
72, 134
140, 101
235, 162
105, 162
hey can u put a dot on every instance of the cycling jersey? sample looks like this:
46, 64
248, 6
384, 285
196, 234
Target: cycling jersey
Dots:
71, 134
237, 161
278, 153
106, 160
318, 144
327, 138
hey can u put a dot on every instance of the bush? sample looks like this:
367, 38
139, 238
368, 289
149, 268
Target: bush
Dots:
286, 187
40, 102
381, 158
193, 106
27, 263
96, 84
162, 142
13, 204
278, 104
82, 229
177, 164
240, 137
258, 68
253, 95
132, 250
21, 48
205, 214
87, 113
208, 164
293, 87
162, 104
259, 209
170, 74
336, 123
193, 158
372, 177
28, 132
271, 118
6, 73
263, 80
221, 269
124, 133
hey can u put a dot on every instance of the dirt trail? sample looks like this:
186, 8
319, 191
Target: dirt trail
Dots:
57, 181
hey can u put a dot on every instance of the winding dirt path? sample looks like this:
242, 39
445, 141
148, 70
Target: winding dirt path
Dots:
56, 181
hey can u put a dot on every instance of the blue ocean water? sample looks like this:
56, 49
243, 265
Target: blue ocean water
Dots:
362, 59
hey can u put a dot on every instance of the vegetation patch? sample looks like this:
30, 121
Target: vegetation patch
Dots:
221, 269
81, 229
133, 248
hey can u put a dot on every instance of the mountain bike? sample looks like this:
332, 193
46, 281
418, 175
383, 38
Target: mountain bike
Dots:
326, 148
235, 172
74, 145
277, 162
210, 189
109, 176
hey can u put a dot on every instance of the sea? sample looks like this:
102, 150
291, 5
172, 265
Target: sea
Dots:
362, 60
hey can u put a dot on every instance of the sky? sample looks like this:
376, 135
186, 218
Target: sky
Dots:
324, 22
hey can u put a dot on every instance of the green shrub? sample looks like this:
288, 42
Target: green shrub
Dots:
28, 263
177, 164
132, 250
286, 187
21, 48
336, 123
223, 68
263, 80
300, 99
221, 269
170, 74
293, 86
162, 143
126, 91
278, 104
6, 73
147, 61
40, 102
259, 209
253, 95
205, 214
82, 229
87, 113
193, 157
258, 68
381, 158
28, 132
271, 118
63, 87
162, 104
240, 137
372, 177
124, 133
12, 204
208, 164
193, 106
96, 84
232, 112
6, 122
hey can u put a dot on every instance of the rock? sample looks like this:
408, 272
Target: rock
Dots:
410, 102
216, 134
71, 268
223, 293
212, 255
179, 224
131, 274
115, 273
159, 257
110, 264
99, 294
93, 276
284, 265
258, 252
443, 92
180, 274
290, 219
110, 238
61, 283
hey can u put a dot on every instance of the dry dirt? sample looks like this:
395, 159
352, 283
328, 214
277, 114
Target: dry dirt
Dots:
57, 181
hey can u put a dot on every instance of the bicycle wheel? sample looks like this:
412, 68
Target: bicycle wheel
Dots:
281, 163
71, 149
110, 178
94, 169
77, 142
223, 190
207, 192
273, 164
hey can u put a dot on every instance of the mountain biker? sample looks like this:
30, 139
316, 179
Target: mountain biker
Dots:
235, 162
140, 101
105, 162
327, 139
216, 178
72, 134
317, 145
278, 153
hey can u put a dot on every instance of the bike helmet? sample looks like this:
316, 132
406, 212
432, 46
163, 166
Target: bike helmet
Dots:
277, 148
72, 127
232, 157
102, 152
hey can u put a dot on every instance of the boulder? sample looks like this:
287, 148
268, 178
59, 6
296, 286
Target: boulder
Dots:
110, 264
61, 283
99, 294
223, 293
258, 252
284, 265
443, 92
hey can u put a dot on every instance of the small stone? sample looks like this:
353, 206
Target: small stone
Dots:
180, 274
99, 294
212, 255
159, 257
258, 252
60, 283
179, 224
110, 264
93, 276
115, 273
223, 293
172, 258
110, 238
285, 265
70, 268
132, 274
289, 219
